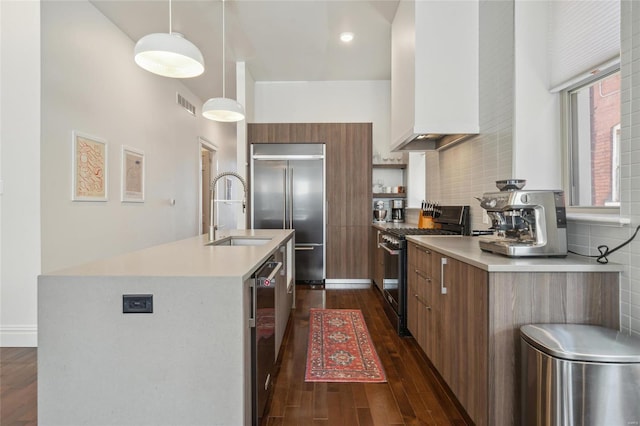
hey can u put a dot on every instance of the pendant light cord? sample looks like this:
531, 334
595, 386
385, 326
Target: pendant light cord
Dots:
223, 56
170, 19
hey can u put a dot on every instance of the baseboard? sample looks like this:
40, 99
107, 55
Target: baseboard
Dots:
19, 336
346, 284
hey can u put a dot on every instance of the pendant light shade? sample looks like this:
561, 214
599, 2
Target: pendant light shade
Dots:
223, 109
169, 55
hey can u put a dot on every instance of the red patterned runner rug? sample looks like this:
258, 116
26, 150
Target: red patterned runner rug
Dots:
340, 348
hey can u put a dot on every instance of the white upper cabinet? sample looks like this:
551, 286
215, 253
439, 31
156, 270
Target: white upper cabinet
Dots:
434, 73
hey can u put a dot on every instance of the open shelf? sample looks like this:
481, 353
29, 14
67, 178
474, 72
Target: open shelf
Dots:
389, 195
389, 166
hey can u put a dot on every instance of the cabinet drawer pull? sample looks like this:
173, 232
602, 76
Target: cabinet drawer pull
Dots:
443, 289
422, 249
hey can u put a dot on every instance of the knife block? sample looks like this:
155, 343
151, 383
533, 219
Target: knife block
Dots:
426, 222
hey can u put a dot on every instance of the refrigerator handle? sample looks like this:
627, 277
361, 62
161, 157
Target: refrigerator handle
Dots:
326, 212
284, 198
291, 200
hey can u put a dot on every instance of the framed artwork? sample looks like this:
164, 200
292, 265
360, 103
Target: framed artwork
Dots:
89, 168
132, 175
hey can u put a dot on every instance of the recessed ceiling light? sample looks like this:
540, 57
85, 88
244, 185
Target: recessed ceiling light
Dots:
346, 37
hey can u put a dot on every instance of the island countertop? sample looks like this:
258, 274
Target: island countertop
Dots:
467, 249
191, 257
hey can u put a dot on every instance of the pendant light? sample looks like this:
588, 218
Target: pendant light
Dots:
223, 109
169, 55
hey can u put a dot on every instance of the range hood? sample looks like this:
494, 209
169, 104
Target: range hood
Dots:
430, 141
434, 74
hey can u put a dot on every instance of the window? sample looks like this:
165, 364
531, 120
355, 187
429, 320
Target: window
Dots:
594, 143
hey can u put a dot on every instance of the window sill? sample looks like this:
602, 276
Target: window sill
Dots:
601, 219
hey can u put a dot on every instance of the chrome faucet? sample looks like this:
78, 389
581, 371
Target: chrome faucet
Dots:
212, 226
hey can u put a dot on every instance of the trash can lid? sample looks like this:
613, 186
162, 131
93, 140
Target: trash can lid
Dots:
581, 342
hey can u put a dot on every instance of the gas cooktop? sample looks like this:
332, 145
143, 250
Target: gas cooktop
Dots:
453, 220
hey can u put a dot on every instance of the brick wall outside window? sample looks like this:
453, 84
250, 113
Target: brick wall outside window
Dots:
605, 115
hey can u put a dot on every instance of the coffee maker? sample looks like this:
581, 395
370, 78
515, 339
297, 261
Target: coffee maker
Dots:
526, 222
397, 211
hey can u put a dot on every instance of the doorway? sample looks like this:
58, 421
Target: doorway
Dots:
208, 169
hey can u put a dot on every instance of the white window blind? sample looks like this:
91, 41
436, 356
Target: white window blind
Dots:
582, 36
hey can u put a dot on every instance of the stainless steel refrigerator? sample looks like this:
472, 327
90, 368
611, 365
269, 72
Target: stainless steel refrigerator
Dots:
288, 192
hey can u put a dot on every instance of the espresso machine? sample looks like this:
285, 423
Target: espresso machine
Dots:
525, 222
397, 211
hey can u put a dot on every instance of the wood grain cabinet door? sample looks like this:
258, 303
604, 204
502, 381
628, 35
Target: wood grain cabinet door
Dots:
465, 318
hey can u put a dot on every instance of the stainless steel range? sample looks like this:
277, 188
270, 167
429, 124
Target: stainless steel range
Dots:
453, 221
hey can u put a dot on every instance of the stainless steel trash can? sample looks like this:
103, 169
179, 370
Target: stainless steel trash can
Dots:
575, 374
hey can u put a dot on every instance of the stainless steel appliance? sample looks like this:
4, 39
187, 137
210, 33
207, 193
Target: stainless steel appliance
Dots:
453, 221
262, 323
380, 213
527, 222
397, 211
578, 374
288, 192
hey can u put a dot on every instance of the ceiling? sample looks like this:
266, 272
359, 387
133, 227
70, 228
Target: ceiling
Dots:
291, 40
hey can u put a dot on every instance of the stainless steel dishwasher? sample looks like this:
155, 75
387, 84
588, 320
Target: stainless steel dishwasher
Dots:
263, 341
577, 374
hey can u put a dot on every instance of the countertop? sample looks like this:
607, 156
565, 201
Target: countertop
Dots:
467, 249
191, 257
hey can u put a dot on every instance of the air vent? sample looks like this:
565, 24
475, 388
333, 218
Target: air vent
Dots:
186, 104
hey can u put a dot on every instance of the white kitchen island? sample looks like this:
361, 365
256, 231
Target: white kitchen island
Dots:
187, 363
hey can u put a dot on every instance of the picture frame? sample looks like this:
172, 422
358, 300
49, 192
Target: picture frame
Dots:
89, 166
133, 175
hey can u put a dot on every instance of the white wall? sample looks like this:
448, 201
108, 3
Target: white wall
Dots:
327, 102
89, 83
537, 150
19, 170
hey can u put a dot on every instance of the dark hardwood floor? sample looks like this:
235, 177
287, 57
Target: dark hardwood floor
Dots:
412, 395
18, 387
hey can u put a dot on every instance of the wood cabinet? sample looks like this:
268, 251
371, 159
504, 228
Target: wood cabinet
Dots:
470, 332
348, 187
446, 313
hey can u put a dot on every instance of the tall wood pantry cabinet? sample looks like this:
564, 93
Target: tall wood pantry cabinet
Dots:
348, 180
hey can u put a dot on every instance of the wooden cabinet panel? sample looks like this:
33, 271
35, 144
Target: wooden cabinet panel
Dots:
347, 252
422, 306
516, 299
348, 181
465, 316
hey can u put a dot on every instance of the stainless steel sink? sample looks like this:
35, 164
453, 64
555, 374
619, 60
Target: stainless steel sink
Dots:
240, 241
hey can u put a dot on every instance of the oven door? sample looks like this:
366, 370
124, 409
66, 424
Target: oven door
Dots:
391, 276
394, 284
